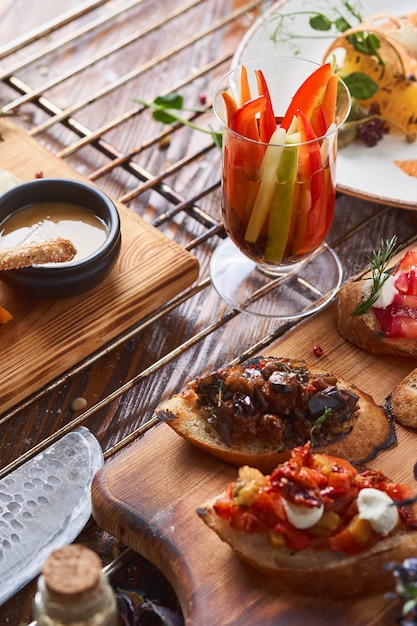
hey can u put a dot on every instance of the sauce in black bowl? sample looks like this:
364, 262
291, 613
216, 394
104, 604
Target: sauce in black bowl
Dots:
60, 208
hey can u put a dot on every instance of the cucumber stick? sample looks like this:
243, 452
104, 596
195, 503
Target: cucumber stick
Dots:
268, 176
282, 200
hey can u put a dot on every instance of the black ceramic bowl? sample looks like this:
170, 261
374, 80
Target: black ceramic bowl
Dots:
78, 276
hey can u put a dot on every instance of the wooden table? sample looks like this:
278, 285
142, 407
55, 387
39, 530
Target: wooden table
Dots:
70, 75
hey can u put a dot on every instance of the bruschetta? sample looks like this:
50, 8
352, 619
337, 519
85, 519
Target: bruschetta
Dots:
316, 525
256, 413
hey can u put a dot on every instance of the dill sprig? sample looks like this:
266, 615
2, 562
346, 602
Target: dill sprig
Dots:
379, 262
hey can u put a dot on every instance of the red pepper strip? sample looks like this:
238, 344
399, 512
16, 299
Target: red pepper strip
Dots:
245, 94
310, 158
320, 219
244, 120
242, 159
318, 121
267, 122
239, 185
308, 95
329, 99
231, 106
312, 210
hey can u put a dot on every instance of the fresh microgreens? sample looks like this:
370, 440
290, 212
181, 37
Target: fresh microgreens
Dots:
318, 424
338, 20
164, 110
379, 261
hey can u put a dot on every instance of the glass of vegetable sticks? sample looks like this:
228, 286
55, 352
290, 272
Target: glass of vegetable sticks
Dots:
280, 119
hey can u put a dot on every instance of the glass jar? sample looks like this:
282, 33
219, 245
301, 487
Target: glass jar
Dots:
74, 591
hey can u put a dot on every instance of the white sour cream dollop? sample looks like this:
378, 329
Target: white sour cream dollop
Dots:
385, 295
302, 516
377, 507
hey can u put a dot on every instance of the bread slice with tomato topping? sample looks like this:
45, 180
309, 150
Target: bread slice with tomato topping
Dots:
365, 330
379, 312
255, 413
316, 525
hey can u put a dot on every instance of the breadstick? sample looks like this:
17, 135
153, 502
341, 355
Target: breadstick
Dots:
53, 251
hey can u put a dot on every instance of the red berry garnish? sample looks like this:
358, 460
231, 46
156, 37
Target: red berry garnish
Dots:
318, 351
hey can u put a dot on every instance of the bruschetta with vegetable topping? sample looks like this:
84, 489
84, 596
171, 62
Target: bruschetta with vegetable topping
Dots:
379, 311
255, 413
316, 524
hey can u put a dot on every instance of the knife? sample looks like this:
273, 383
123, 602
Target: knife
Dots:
44, 504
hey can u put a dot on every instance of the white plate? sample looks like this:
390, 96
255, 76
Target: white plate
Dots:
368, 173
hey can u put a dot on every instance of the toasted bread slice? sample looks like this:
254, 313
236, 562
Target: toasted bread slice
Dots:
317, 573
402, 401
364, 330
52, 251
370, 430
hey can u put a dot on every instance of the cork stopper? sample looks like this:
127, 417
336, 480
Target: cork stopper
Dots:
72, 573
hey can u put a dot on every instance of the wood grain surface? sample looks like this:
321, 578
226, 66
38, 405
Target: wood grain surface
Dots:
47, 337
149, 496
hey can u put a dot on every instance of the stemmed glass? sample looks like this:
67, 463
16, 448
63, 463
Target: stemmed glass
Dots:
276, 210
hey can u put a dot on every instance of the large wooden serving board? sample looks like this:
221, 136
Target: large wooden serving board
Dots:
46, 338
148, 499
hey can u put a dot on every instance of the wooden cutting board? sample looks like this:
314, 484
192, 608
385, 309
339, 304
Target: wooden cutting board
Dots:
148, 498
48, 337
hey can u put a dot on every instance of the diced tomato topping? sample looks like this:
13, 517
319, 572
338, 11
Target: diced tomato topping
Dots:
399, 319
408, 262
222, 507
344, 542
336, 485
295, 539
406, 282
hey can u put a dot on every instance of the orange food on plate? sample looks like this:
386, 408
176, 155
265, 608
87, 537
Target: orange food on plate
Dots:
5, 316
409, 166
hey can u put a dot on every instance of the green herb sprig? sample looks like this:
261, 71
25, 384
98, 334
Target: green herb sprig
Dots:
338, 20
165, 108
318, 424
379, 261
